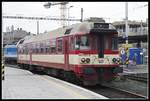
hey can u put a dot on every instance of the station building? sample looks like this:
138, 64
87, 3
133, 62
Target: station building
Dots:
137, 34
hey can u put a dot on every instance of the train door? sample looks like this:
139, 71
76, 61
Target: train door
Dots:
66, 53
100, 43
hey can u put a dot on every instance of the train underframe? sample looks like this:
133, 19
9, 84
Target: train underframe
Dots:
12, 61
88, 76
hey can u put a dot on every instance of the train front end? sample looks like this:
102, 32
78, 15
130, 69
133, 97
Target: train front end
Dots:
98, 54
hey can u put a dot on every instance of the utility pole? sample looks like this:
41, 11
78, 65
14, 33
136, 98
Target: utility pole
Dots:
126, 24
69, 14
63, 13
81, 14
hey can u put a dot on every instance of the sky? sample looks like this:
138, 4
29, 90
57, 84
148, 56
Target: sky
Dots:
110, 11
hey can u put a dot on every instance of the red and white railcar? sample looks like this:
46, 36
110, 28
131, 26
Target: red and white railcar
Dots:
86, 51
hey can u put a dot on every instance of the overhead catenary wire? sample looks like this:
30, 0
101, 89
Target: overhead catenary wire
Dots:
38, 18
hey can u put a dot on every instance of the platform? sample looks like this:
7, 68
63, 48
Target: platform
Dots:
22, 84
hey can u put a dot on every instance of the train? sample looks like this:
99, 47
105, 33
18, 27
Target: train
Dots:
85, 53
10, 54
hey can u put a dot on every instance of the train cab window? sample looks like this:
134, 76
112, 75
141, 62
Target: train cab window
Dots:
60, 46
36, 50
21, 51
106, 42
47, 50
42, 50
82, 43
114, 43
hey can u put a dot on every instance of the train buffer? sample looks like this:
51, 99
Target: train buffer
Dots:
22, 84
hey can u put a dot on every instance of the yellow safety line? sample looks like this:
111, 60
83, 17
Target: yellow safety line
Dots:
65, 89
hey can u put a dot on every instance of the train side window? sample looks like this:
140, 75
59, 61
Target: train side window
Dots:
41, 47
68, 31
39, 50
19, 50
53, 50
36, 50
72, 43
23, 51
53, 46
47, 46
60, 46
47, 50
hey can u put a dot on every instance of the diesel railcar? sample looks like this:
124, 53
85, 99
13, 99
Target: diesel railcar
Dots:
86, 52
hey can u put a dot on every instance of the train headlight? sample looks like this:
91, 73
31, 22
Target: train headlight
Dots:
114, 60
118, 59
87, 60
83, 60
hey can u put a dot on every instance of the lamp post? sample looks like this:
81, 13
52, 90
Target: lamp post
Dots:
68, 13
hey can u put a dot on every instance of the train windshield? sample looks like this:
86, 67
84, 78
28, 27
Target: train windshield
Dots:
82, 43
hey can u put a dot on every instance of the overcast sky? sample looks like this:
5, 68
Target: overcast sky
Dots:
113, 10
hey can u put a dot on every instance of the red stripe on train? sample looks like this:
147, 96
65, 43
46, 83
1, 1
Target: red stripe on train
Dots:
93, 52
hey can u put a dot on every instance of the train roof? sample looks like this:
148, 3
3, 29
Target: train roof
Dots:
82, 28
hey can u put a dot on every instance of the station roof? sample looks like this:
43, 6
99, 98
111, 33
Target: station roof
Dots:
121, 23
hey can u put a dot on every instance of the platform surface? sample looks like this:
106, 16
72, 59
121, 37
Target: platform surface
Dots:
135, 69
22, 84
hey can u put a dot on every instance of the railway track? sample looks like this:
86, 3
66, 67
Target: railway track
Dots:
115, 93
137, 78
